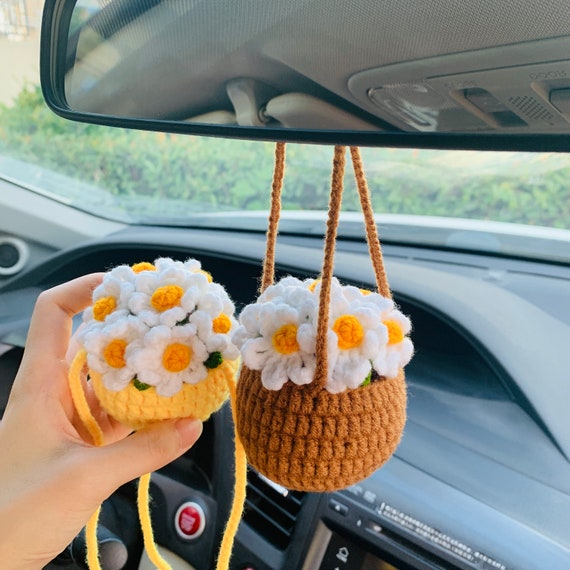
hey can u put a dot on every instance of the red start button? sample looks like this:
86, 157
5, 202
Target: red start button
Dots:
190, 520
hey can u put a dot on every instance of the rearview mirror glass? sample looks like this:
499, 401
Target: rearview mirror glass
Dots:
311, 70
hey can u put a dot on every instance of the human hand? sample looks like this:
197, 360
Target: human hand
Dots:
52, 478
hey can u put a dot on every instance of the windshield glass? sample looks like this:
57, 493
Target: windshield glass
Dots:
156, 178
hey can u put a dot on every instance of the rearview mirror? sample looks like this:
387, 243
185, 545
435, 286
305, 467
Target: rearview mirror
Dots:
371, 73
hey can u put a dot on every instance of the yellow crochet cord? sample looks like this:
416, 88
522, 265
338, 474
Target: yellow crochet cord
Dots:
79, 399
91, 541
146, 524
239, 491
84, 412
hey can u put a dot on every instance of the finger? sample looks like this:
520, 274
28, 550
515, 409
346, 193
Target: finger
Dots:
143, 452
112, 429
50, 328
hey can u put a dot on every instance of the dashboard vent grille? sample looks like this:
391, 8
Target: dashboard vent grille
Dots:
271, 510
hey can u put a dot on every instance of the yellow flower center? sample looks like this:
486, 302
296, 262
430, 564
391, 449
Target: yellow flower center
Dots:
284, 339
208, 275
221, 324
395, 332
166, 297
143, 266
114, 353
103, 307
313, 285
176, 357
365, 292
349, 332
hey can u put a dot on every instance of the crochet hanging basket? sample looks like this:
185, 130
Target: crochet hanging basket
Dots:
157, 342
156, 345
135, 408
305, 437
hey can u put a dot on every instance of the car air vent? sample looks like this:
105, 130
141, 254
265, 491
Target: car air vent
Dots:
271, 510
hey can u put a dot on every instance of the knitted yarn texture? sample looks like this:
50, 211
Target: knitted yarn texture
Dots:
158, 345
321, 396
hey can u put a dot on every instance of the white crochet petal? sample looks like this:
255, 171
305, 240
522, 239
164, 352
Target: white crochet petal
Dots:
189, 299
192, 265
373, 343
138, 302
123, 273
368, 315
141, 360
172, 316
169, 386
407, 351
391, 365
335, 386
116, 315
196, 373
250, 319
307, 338
146, 282
269, 322
239, 336
203, 323
303, 374
274, 374
216, 343
118, 379
350, 369
149, 318
360, 371
162, 263
230, 352
211, 303
255, 353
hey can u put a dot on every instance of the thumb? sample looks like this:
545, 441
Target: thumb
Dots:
144, 451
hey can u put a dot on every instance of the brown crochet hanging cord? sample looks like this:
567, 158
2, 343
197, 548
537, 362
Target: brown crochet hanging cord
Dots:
303, 436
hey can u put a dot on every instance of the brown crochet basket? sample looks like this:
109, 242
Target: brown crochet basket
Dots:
304, 437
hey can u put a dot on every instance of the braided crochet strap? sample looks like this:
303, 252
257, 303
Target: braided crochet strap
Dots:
375, 251
335, 201
371, 231
278, 174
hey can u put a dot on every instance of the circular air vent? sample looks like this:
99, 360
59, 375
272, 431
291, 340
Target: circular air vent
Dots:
14, 255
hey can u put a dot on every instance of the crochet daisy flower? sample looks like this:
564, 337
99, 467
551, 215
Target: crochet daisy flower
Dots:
399, 349
112, 295
358, 334
158, 324
168, 357
107, 348
367, 334
168, 295
277, 335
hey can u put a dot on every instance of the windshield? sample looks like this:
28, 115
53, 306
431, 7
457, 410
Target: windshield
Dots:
156, 178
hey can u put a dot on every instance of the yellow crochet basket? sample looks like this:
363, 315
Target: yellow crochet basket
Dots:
156, 345
136, 408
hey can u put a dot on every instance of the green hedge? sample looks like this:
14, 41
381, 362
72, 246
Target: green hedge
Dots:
225, 174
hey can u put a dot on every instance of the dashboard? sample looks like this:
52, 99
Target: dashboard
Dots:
481, 479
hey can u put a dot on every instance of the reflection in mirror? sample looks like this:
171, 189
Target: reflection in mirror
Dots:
322, 64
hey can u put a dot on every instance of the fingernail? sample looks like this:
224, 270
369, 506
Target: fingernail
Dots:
189, 430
